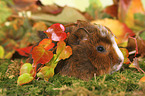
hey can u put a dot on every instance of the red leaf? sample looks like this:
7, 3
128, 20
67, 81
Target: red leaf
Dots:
24, 51
46, 43
56, 32
112, 10
41, 55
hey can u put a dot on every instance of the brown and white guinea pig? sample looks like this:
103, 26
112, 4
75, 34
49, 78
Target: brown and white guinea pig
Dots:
94, 50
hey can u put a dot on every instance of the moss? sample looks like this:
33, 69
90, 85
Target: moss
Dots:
121, 83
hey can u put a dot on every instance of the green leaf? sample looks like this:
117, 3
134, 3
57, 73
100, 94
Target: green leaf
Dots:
52, 63
46, 72
24, 78
27, 68
4, 12
139, 19
142, 35
2, 52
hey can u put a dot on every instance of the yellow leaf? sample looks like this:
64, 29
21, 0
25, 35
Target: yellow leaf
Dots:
2, 52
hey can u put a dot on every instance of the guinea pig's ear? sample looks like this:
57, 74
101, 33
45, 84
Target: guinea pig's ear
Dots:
82, 33
78, 35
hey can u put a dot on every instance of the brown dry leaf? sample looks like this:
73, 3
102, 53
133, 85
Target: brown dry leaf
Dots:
140, 46
135, 64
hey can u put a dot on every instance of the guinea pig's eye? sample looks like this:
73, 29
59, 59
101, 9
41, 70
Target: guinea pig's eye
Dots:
100, 48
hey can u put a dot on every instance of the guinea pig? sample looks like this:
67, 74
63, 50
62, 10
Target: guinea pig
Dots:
94, 51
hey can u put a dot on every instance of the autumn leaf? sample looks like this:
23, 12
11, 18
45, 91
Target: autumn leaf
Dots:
63, 51
46, 72
127, 9
60, 46
112, 10
56, 32
136, 44
135, 63
125, 54
41, 55
40, 26
120, 30
24, 78
142, 79
24, 51
46, 44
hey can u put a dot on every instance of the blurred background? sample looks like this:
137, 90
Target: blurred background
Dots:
20, 20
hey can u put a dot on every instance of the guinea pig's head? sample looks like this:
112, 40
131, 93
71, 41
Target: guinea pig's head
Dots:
98, 46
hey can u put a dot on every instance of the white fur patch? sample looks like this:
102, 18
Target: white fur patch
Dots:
103, 31
119, 53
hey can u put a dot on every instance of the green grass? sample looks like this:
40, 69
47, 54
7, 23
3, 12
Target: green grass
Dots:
123, 83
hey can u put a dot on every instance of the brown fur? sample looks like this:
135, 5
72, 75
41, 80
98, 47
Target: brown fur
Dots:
86, 60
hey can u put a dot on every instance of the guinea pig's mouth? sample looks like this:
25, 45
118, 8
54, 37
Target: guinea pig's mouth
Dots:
117, 67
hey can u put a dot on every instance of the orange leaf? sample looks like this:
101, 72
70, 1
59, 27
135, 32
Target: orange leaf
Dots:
142, 79
41, 55
120, 30
46, 43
